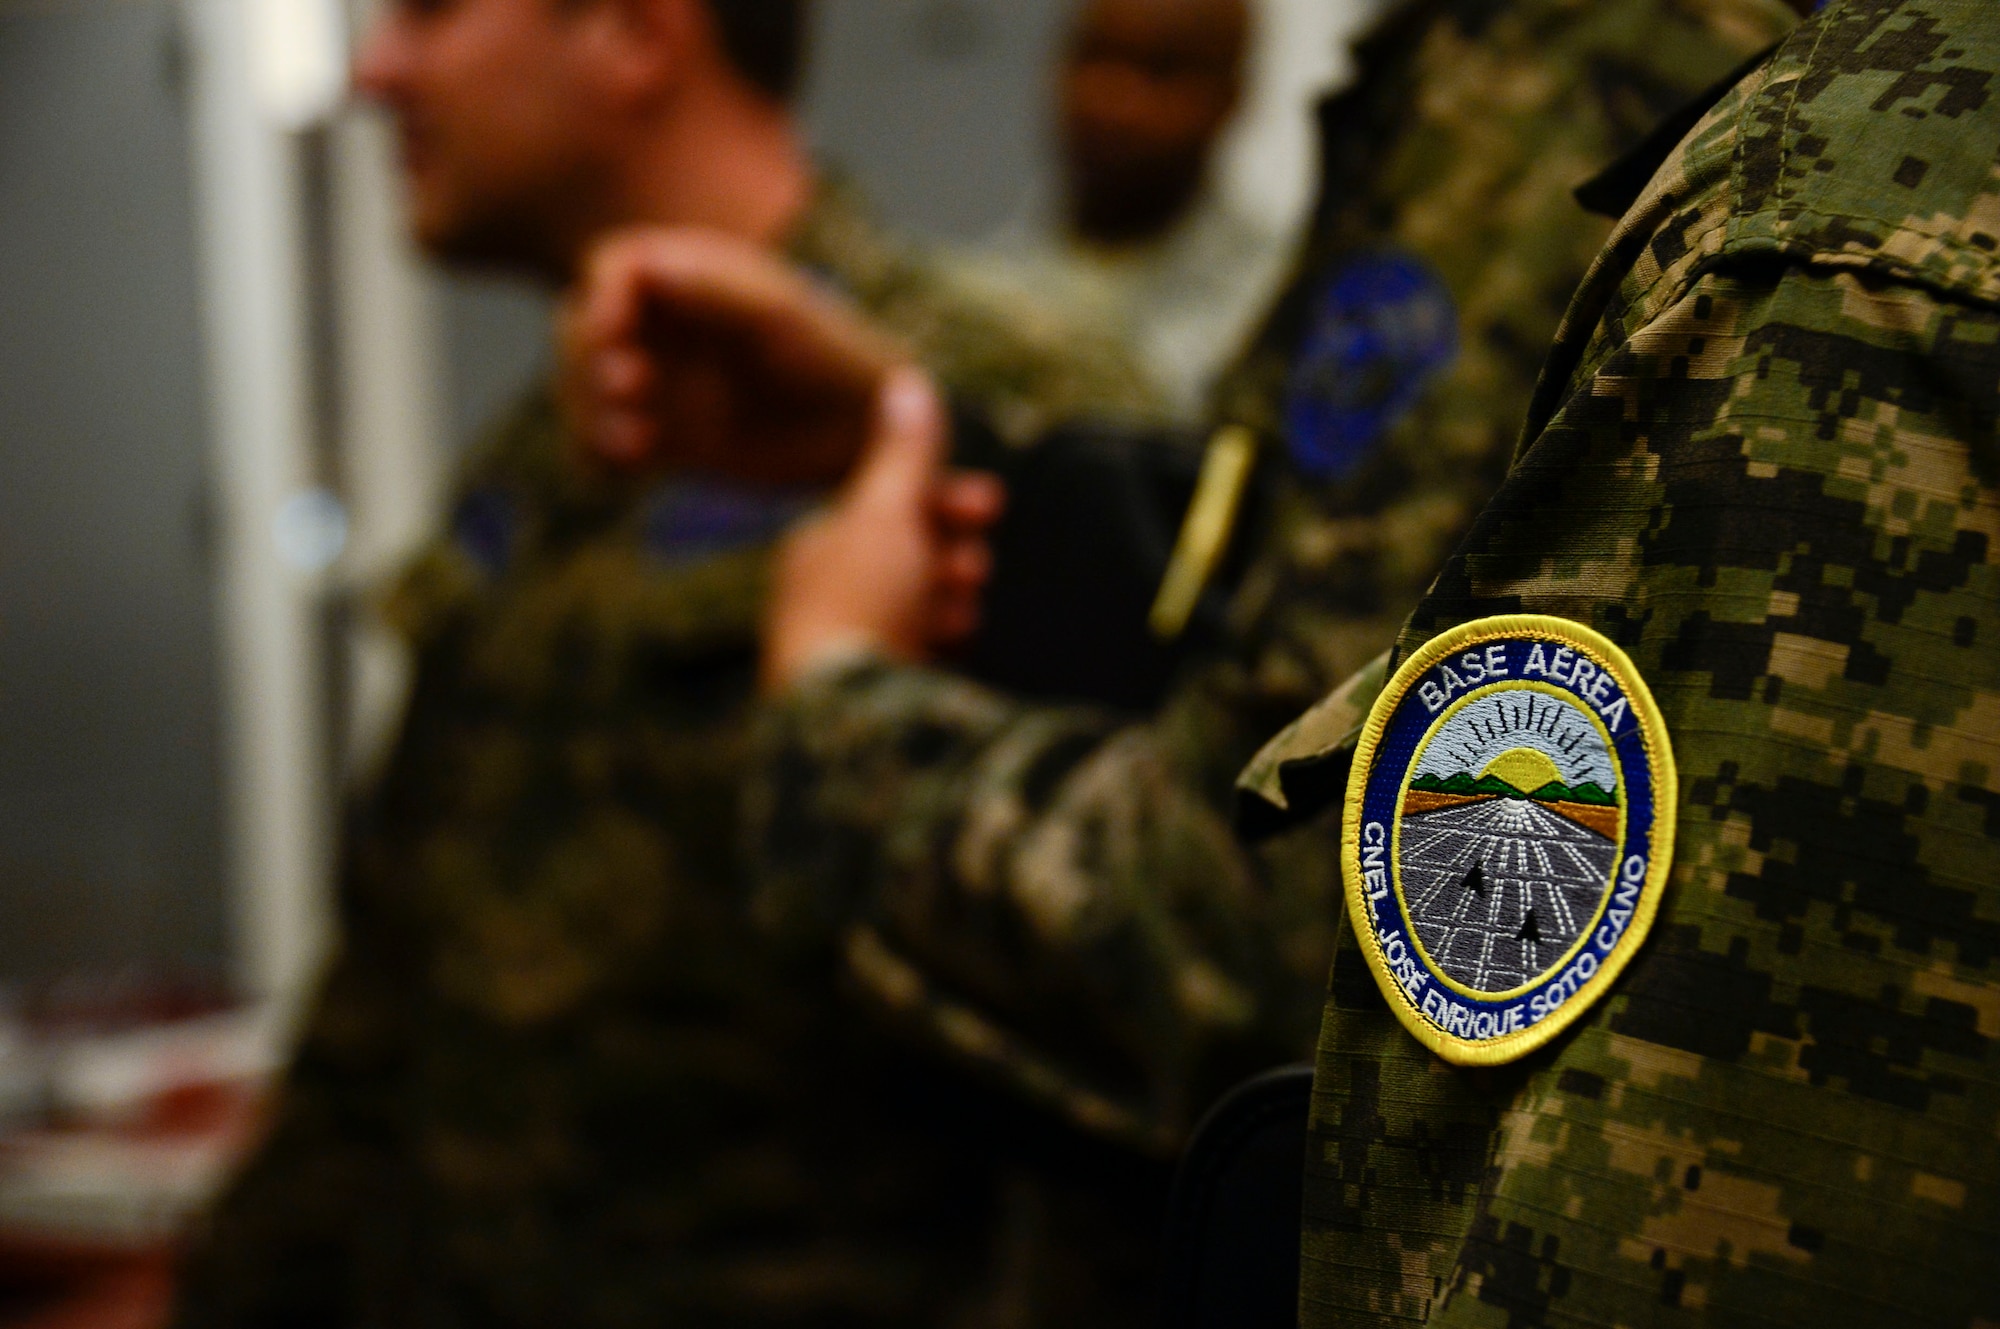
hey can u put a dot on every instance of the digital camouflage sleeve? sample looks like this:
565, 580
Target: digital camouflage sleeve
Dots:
1055, 894
1765, 461
555, 1076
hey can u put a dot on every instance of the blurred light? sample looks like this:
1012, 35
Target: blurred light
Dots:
298, 59
311, 530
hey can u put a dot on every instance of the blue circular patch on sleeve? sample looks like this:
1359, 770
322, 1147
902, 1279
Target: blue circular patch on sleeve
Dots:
1382, 326
487, 526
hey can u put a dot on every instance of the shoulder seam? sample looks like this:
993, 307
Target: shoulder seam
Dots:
1783, 189
1871, 262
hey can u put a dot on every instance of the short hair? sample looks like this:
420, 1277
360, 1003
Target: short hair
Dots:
765, 40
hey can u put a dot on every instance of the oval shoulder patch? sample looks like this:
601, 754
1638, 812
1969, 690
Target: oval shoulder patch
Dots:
1509, 831
1382, 327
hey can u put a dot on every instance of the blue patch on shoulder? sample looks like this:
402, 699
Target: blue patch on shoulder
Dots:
1382, 326
487, 526
686, 519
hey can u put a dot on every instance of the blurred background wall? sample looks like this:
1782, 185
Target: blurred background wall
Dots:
228, 394
110, 814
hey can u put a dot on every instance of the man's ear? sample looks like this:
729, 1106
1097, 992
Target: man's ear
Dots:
647, 49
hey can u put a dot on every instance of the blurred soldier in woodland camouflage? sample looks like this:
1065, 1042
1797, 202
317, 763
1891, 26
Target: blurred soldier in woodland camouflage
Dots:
1765, 461
1055, 895
1098, 857
1763, 468
552, 1077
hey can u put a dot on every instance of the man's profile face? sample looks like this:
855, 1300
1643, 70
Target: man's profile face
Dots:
1147, 87
494, 108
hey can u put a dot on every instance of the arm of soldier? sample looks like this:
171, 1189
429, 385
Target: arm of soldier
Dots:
687, 349
1039, 891
1304, 767
1777, 491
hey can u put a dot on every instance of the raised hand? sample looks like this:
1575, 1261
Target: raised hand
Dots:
686, 349
896, 564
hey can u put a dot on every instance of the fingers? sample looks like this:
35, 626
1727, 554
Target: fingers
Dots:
608, 376
901, 480
622, 381
732, 287
963, 565
868, 570
965, 504
658, 309
692, 270
969, 500
957, 598
954, 617
627, 441
899, 469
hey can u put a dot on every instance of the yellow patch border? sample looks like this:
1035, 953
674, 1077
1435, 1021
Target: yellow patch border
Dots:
1658, 748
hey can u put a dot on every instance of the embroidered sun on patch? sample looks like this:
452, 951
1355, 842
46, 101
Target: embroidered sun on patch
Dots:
1508, 834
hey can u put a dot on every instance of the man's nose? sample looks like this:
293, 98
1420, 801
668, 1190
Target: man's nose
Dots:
381, 62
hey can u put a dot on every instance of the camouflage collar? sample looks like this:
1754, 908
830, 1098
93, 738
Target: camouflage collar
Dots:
1613, 190
838, 240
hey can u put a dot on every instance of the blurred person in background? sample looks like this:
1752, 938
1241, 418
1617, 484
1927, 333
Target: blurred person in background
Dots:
1144, 242
1058, 895
552, 1077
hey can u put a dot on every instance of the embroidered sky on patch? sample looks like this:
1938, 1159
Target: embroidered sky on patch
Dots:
1493, 725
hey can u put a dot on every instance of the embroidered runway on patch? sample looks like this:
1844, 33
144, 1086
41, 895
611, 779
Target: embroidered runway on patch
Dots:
1509, 830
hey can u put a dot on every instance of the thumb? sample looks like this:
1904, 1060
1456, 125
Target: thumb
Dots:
907, 449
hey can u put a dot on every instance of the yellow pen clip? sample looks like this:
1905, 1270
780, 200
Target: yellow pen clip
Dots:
1211, 516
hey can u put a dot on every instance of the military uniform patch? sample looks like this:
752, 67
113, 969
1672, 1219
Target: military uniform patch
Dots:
1383, 326
1508, 833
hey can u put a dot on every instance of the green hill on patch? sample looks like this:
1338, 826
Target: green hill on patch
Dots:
1463, 783
1457, 784
1589, 793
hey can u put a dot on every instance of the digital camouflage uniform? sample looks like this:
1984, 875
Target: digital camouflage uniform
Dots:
1764, 460
554, 1076
1056, 894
